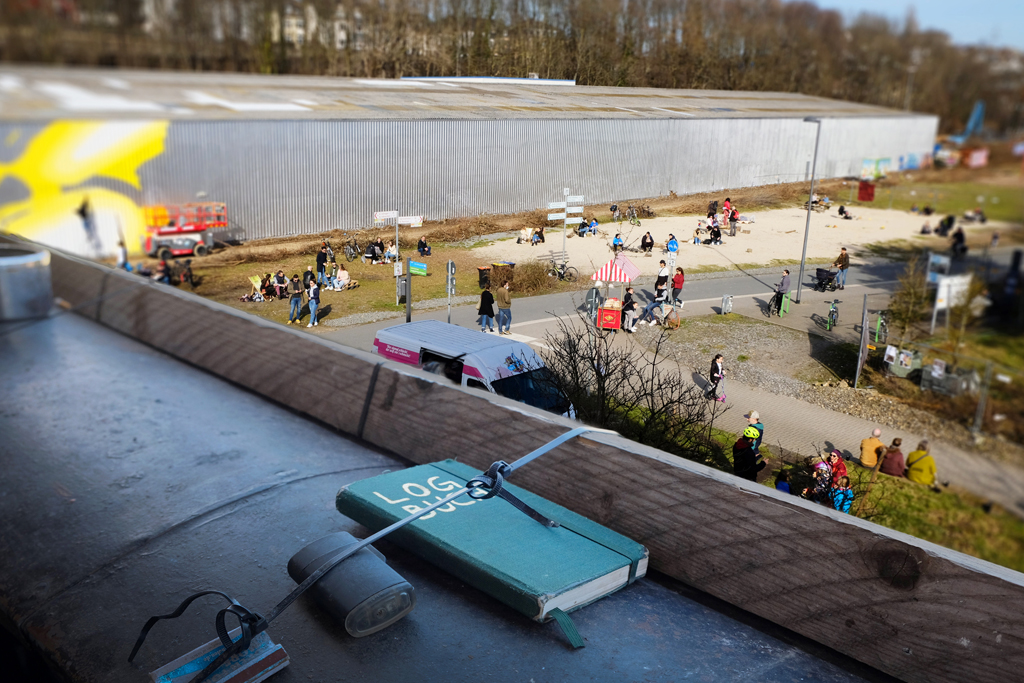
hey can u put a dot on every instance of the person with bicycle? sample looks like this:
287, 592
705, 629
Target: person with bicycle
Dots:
781, 290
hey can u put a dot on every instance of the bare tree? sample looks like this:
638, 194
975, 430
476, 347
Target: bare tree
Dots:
910, 300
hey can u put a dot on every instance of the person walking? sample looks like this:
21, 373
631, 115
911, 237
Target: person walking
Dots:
314, 303
717, 378
677, 286
869, 449
844, 265
746, 462
781, 290
754, 420
296, 290
504, 301
486, 309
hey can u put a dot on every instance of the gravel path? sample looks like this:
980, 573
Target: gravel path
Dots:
761, 355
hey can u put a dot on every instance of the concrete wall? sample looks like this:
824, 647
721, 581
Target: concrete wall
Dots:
907, 607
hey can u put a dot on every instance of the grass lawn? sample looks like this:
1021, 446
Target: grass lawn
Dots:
954, 518
1000, 202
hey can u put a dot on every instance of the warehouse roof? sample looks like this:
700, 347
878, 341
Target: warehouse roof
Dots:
45, 93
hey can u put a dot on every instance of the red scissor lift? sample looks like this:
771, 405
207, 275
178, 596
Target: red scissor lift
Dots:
182, 229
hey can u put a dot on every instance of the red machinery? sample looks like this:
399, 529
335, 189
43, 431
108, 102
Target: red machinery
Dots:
182, 230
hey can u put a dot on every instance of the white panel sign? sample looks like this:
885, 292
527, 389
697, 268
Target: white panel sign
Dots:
565, 191
556, 205
574, 209
574, 221
413, 221
575, 199
952, 290
556, 216
384, 215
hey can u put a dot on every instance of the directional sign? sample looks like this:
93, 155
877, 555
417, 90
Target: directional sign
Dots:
556, 205
384, 215
574, 221
451, 267
416, 268
575, 199
556, 216
574, 209
414, 221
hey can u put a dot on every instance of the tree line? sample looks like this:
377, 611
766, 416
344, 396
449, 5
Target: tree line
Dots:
764, 45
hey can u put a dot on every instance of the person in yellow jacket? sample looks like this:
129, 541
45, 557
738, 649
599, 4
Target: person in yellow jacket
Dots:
921, 466
869, 449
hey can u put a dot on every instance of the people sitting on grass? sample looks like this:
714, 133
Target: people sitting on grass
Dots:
921, 466
163, 273
373, 254
841, 495
281, 284
267, 288
647, 243
836, 465
391, 253
782, 481
892, 461
422, 247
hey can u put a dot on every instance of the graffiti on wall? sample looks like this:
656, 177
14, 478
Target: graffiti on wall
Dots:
75, 185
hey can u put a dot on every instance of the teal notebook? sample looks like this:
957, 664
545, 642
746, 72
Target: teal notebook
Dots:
494, 547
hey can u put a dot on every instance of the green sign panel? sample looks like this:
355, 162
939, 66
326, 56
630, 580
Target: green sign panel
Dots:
417, 268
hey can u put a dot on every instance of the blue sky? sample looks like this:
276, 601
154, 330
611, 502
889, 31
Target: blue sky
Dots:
969, 22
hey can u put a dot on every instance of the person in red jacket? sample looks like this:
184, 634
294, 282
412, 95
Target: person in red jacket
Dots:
677, 286
836, 465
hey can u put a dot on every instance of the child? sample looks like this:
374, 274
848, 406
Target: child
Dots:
782, 481
842, 495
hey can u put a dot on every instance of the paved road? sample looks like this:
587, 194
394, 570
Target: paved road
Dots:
796, 425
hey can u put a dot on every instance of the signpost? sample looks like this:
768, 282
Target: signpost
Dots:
572, 204
450, 288
862, 352
417, 268
950, 292
413, 222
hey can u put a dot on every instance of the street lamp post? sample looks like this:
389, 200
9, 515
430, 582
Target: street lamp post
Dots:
807, 227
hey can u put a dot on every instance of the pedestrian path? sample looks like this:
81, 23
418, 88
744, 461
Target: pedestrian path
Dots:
805, 428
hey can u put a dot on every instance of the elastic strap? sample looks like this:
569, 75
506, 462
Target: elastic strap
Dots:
568, 628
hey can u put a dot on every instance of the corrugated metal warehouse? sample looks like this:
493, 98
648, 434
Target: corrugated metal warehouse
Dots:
293, 155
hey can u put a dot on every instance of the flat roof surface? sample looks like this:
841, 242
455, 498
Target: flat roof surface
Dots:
133, 480
44, 93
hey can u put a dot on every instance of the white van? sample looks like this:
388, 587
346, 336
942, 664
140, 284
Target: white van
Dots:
478, 361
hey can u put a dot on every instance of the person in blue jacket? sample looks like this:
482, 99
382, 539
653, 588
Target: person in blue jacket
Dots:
672, 246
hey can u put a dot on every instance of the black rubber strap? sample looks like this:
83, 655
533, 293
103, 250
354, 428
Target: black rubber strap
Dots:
493, 482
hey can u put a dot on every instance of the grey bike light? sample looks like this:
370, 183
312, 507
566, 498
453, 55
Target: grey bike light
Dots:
362, 592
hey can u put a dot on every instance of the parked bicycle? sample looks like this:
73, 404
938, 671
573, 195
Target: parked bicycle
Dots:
646, 212
563, 271
882, 327
353, 250
833, 315
632, 215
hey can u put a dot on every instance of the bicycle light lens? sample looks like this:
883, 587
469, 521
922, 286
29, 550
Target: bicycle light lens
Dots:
362, 592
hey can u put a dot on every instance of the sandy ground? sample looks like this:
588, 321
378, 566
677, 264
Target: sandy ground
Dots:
774, 235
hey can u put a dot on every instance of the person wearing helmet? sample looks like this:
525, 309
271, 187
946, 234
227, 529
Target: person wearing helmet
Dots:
746, 460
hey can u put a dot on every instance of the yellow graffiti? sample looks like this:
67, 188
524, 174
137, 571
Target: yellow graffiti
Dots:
59, 165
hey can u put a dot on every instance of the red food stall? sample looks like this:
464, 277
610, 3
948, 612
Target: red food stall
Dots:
619, 270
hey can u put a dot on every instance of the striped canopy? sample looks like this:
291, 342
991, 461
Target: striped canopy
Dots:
619, 269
